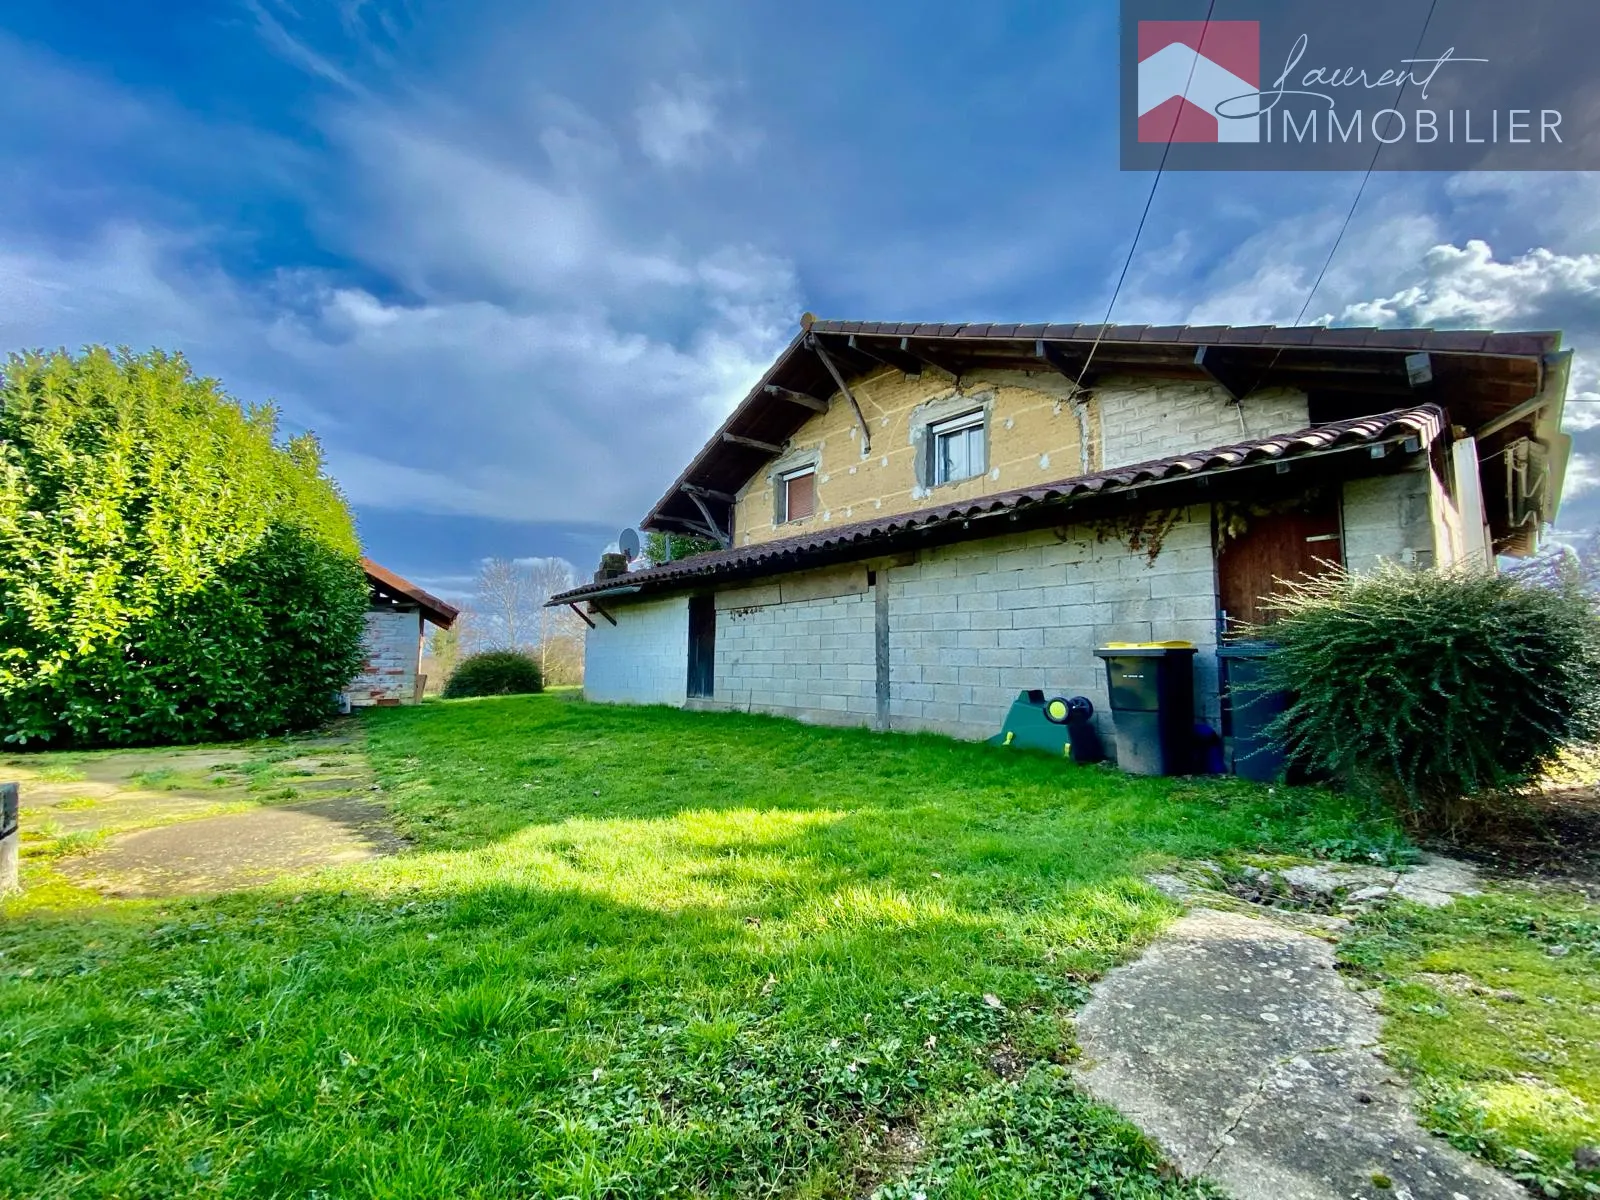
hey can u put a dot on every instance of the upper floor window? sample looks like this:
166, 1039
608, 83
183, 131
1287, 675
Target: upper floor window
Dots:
958, 448
797, 494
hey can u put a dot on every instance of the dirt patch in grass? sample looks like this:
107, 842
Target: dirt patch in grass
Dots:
1551, 835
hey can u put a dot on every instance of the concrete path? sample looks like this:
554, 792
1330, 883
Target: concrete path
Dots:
202, 819
237, 850
1236, 1045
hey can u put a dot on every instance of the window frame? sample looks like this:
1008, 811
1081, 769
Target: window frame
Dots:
785, 478
977, 419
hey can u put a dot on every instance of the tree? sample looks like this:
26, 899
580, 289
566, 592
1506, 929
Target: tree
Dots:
169, 571
672, 547
507, 603
509, 613
560, 629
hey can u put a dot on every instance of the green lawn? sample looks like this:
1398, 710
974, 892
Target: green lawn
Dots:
632, 953
1492, 1005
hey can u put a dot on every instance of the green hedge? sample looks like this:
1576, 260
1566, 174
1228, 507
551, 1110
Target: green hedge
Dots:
1433, 686
169, 571
494, 673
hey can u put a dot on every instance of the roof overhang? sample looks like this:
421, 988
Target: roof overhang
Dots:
1476, 376
1341, 450
401, 592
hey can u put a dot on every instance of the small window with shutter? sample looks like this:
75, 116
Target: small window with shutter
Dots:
797, 494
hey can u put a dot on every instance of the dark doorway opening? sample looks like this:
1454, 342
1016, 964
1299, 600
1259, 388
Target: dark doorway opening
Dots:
702, 646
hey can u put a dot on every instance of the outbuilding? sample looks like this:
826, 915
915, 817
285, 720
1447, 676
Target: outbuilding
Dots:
397, 616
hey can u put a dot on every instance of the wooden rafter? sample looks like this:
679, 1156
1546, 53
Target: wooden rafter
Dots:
804, 399
866, 435
736, 439
910, 364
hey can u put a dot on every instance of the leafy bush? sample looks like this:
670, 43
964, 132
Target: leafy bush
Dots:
494, 673
1433, 685
168, 571
675, 547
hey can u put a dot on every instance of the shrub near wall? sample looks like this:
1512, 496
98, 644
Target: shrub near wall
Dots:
168, 571
1434, 686
494, 673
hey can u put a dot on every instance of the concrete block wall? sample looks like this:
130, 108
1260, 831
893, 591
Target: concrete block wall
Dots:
393, 643
1143, 419
643, 658
971, 625
1390, 517
814, 659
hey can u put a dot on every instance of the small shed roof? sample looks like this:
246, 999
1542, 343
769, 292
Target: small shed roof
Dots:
398, 589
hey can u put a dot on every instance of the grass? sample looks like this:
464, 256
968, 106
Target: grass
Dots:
633, 953
1492, 1005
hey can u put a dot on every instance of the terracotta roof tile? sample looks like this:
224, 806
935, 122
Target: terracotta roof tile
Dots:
1426, 422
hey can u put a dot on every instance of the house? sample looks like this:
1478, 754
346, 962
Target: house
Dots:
396, 611
920, 521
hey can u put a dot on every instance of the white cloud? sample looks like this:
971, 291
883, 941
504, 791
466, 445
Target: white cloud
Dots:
1583, 475
676, 126
542, 357
1467, 287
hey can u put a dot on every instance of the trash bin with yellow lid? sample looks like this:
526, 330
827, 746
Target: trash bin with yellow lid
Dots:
1151, 685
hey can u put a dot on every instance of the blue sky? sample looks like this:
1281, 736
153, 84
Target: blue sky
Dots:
513, 262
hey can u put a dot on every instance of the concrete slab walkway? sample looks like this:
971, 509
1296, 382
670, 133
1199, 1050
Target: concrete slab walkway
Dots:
1236, 1045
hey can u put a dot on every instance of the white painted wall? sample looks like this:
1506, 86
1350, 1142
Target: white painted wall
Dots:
643, 658
393, 643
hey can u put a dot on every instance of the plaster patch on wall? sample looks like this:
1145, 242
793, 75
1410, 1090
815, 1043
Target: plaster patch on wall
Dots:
1044, 462
995, 474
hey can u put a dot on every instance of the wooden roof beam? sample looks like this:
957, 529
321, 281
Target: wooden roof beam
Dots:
803, 399
1070, 363
1231, 375
735, 439
866, 434
894, 357
932, 358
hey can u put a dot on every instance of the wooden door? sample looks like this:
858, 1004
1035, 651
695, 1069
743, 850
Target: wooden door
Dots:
1300, 543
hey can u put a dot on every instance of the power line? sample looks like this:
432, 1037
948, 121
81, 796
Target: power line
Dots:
1177, 115
1365, 178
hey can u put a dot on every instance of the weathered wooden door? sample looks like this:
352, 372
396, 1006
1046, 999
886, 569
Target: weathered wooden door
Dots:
1299, 543
702, 645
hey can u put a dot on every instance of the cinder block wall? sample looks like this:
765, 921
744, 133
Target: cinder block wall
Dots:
973, 624
643, 658
393, 643
1389, 517
1142, 420
809, 658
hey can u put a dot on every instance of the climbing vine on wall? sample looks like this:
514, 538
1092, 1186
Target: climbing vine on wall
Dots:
1141, 531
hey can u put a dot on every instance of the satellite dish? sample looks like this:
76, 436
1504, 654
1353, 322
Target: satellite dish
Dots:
628, 543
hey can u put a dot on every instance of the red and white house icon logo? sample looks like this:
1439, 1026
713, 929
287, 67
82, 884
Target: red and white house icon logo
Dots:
1186, 69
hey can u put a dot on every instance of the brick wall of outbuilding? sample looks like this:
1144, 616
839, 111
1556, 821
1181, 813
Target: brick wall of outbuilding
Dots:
393, 648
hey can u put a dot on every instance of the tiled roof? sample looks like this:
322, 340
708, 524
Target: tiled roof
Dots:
1441, 341
1425, 423
435, 609
1477, 375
